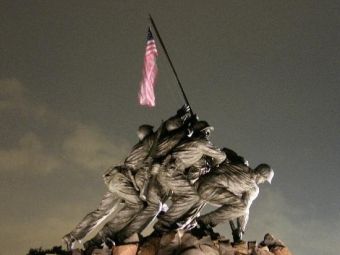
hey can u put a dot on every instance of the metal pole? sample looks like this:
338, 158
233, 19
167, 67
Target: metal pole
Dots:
170, 62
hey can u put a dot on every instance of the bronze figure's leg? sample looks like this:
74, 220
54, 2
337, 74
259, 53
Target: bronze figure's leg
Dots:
184, 198
122, 187
109, 203
231, 206
145, 216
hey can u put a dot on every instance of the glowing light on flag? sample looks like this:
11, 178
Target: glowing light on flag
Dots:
146, 93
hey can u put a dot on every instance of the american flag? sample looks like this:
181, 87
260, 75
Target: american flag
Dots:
146, 93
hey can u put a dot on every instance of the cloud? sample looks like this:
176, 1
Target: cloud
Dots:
89, 148
302, 232
19, 235
85, 147
13, 97
28, 154
54, 141
45, 145
11, 94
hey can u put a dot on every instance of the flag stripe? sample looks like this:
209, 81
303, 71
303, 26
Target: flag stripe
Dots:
146, 93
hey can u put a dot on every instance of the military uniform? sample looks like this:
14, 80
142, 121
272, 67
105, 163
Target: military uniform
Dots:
233, 188
155, 194
154, 205
121, 194
121, 184
172, 178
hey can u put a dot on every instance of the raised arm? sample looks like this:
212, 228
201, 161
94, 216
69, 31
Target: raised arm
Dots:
248, 198
215, 153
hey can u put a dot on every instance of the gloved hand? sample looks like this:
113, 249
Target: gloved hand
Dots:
199, 230
183, 110
190, 122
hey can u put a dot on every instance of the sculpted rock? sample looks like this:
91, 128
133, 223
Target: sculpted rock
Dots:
261, 251
184, 243
275, 245
129, 249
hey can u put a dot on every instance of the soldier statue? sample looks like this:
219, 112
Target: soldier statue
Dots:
177, 162
232, 187
121, 180
172, 175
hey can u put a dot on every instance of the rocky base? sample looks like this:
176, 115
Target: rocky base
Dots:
181, 243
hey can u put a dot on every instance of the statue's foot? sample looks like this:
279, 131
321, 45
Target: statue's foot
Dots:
198, 232
237, 236
123, 240
109, 242
203, 229
157, 233
91, 245
214, 235
69, 241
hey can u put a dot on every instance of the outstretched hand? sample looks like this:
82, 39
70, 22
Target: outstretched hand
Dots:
183, 110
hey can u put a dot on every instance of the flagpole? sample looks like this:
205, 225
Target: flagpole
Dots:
171, 64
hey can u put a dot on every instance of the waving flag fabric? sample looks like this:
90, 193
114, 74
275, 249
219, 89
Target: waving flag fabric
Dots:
146, 93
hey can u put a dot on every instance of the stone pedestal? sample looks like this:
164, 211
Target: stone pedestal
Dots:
184, 243
241, 248
128, 249
281, 251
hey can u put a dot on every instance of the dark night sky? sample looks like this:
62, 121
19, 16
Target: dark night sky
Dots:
265, 74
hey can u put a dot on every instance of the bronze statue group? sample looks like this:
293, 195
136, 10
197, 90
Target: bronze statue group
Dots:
176, 162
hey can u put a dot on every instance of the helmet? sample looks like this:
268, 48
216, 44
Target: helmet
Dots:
173, 123
144, 131
265, 172
203, 126
233, 157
